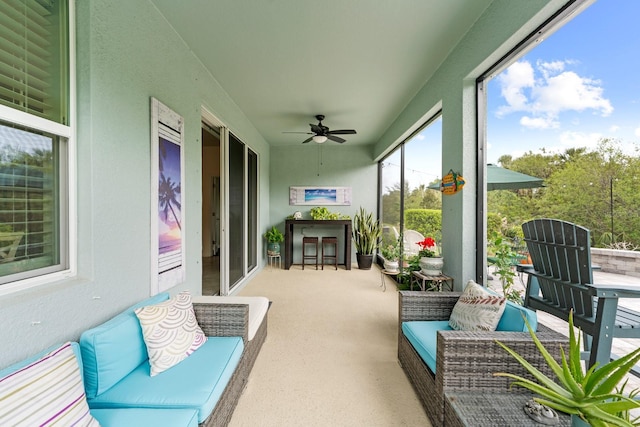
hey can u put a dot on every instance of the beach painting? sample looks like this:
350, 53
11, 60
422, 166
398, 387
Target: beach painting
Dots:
167, 216
169, 207
319, 196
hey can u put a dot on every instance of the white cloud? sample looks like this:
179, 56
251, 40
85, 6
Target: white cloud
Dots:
637, 132
615, 128
539, 122
543, 98
579, 139
513, 81
549, 68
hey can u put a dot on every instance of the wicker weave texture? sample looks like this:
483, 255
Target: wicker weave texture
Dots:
495, 409
465, 361
230, 320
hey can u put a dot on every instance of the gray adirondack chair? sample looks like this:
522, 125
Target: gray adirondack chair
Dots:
561, 280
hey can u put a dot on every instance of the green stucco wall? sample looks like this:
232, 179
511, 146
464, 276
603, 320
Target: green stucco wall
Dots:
323, 165
125, 55
453, 88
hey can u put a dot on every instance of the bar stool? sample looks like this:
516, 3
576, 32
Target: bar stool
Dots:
330, 241
309, 241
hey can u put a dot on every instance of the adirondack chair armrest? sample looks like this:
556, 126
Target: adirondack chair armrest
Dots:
614, 291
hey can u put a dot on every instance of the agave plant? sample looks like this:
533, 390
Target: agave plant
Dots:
592, 395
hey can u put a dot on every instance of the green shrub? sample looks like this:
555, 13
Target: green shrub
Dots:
427, 222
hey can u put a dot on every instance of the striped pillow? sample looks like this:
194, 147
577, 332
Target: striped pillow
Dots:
170, 331
477, 309
48, 391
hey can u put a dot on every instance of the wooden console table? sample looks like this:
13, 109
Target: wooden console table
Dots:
288, 237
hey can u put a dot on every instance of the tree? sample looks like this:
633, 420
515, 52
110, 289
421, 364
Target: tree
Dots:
168, 197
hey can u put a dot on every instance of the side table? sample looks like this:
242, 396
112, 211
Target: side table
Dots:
384, 273
478, 409
272, 259
430, 283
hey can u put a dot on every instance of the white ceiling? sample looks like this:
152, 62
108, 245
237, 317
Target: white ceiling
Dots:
358, 62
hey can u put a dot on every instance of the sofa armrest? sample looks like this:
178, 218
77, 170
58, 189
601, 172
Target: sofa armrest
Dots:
418, 305
223, 320
468, 360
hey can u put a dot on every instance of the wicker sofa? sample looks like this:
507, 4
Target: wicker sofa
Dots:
106, 376
465, 361
116, 365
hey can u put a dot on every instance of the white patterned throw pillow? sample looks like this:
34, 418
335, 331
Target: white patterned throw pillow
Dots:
170, 331
47, 392
477, 309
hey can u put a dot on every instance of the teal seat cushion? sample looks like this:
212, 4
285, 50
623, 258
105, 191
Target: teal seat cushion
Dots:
140, 417
197, 382
113, 349
423, 336
512, 319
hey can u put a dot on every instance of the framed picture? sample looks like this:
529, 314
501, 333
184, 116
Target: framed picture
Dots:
319, 196
167, 212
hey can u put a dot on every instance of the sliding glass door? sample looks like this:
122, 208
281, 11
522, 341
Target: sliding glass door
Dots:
242, 199
236, 209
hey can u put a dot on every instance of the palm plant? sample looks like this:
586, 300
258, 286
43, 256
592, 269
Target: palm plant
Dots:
592, 396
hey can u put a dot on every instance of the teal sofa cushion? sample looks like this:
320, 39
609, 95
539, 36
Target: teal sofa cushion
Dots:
512, 319
423, 336
197, 382
113, 349
140, 417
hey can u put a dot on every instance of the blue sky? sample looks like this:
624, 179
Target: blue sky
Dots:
577, 86
574, 88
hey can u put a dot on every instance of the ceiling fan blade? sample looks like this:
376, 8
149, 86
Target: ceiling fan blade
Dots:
342, 132
336, 139
305, 133
307, 140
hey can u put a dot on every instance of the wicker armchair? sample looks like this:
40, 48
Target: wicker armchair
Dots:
465, 361
230, 320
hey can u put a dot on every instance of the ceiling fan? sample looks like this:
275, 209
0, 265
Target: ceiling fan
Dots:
321, 132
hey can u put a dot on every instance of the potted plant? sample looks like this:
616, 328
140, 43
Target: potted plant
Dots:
366, 232
274, 237
391, 254
431, 262
595, 397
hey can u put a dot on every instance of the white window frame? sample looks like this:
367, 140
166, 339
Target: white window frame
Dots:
69, 133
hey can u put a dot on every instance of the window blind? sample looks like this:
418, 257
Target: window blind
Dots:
32, 64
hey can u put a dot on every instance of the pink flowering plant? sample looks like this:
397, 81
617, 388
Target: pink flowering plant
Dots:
428, 248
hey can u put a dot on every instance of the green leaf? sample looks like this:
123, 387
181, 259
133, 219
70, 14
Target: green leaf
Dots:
574, 352
594, 414
607, 377
568, 378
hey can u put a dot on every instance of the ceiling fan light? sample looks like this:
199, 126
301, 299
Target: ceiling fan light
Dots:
319, 138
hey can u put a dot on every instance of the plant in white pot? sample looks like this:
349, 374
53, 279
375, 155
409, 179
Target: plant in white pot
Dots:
391, 255
431, 262
366, 233
594, 397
